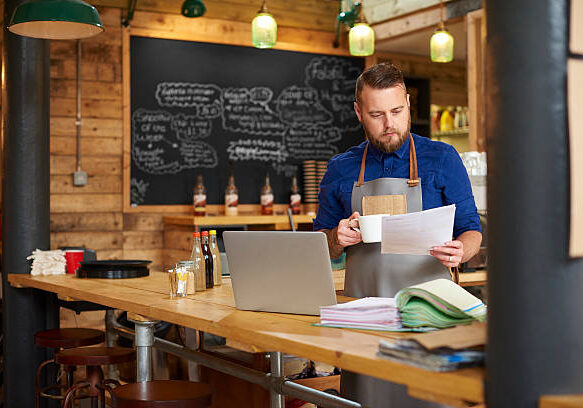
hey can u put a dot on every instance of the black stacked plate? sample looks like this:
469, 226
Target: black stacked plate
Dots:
113, 269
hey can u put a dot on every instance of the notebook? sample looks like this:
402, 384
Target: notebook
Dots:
438, 303
280, 271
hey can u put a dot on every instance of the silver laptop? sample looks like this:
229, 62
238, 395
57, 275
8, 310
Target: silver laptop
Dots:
282, 272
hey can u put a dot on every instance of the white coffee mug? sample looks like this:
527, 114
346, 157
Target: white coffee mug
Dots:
371, 227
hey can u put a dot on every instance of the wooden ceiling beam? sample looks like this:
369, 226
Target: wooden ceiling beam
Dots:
423, 19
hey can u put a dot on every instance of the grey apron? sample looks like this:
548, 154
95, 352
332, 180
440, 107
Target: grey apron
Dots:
370, 273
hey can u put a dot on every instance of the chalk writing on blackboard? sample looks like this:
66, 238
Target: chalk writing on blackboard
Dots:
164, 143
138, 190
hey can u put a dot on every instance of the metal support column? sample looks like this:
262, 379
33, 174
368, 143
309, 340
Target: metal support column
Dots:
25, 207
534, 309
144, 343
276, 362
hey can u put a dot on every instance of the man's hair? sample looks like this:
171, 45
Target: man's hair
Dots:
380, 76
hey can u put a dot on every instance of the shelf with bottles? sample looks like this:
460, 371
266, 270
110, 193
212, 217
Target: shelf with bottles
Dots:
450, 119
464, 131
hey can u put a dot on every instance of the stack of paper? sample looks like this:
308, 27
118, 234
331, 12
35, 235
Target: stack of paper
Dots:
412, 353
440, 350
438, 303
372, 313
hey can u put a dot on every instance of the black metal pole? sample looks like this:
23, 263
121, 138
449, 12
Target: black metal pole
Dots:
535, 329
25, 207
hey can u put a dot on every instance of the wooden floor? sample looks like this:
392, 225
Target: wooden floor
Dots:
214, 311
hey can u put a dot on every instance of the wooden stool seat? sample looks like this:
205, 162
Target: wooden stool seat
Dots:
95, 356
68, 338
162, 393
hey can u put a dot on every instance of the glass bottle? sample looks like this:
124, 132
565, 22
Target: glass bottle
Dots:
446, 120
231, 197
266, 197
295, 198
208, 260
199, 197
198, 264
217, 277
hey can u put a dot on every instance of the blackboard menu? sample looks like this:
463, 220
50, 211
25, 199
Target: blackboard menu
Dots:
198, 108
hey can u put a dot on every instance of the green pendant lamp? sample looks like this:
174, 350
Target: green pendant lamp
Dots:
441, 43
361, 37
55, 20
264, 29
193, 8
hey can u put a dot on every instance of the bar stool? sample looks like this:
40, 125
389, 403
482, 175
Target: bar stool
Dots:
62, 339
92, 358
158, 394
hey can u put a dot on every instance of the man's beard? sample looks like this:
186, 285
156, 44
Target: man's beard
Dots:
391, 145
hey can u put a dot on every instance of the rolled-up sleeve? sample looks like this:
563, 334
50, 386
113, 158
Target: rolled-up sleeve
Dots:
457, 190
330, 207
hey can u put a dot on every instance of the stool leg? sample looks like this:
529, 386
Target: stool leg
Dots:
37, 385
110, 341
70, 396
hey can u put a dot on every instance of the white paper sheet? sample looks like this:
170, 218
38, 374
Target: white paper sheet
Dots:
416, 233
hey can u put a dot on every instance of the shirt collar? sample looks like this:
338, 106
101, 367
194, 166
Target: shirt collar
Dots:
400, 152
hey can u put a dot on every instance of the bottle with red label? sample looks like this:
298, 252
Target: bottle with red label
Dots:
199, 197
231, 196
295, 198
266, 198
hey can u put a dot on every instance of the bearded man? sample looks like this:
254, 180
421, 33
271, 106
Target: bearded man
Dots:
392, 161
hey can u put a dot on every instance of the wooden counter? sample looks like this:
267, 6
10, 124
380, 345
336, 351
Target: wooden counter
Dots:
213, 311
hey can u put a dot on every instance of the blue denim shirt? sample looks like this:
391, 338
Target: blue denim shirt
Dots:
444, 181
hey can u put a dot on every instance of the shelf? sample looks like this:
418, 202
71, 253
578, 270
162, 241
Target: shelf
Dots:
455, 132
237, 220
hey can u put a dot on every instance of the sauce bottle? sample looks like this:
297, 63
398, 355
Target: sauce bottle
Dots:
199, 197
266, 198
198, 265
208, 260
217, 277
295, 198
231, 197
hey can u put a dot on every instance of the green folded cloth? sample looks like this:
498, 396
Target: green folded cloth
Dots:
439, 303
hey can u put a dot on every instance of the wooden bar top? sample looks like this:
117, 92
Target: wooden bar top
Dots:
218, 220
213, 311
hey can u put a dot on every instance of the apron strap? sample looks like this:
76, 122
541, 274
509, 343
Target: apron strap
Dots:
413, 174
360, 181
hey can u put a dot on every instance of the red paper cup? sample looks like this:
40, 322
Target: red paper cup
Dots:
73, 258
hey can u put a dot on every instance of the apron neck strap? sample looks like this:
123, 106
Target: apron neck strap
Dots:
413, 175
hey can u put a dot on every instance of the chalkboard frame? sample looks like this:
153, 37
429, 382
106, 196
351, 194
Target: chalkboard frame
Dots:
242, 39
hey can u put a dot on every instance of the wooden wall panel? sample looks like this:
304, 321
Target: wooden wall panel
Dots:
93, 165
86, 222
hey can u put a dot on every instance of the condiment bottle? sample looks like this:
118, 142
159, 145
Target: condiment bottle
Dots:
446, 120
208, 260
198, 265
199, 197
266, 197
217, 277
295, 198
231, 197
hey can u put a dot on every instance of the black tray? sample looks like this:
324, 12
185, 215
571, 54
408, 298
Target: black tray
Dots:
113, 269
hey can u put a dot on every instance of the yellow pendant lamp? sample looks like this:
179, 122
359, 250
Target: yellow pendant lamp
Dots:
441, 43
264, 29
361, 37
